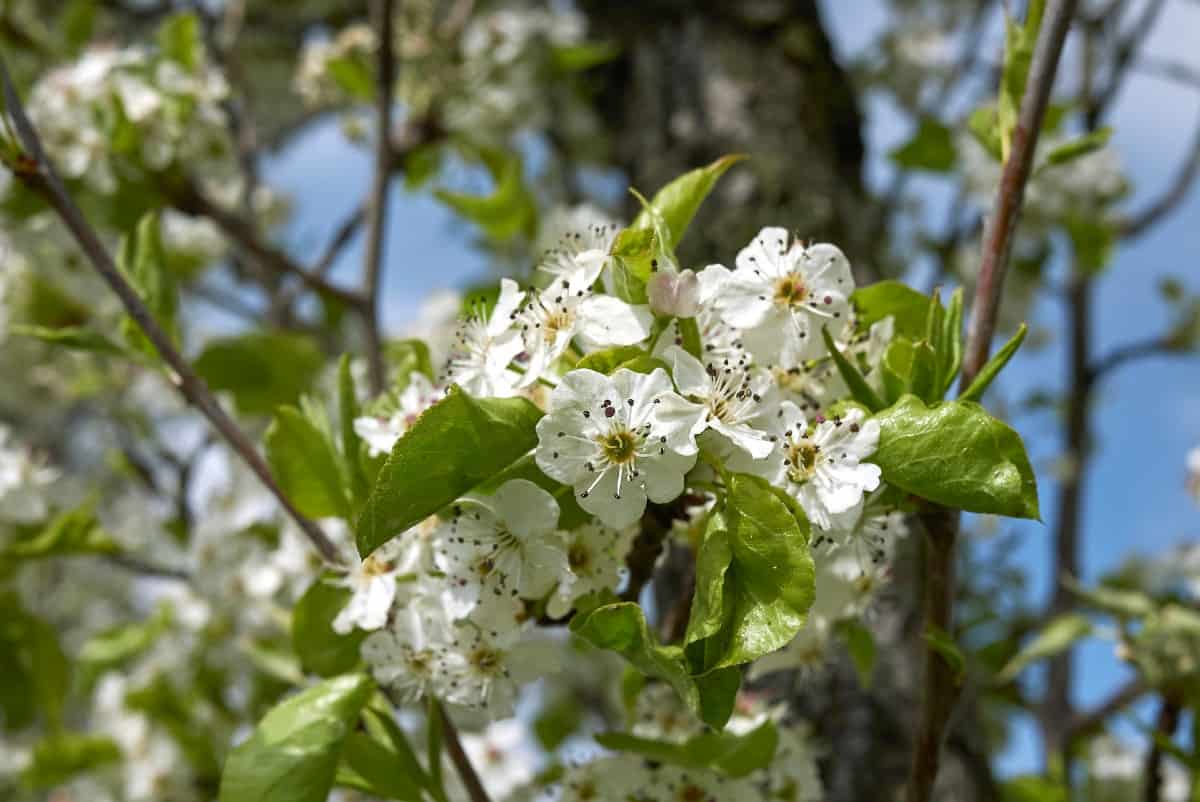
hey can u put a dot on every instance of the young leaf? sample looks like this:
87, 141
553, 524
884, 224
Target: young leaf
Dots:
179, 40
955, 454
76, 338
1056, 637
509, 210
262, 370
609, 359
58, 757
305, 463
679, 200
905, 305
1081, 146
862, 392
725, 752
991, 370
458, 443
74, 531
930, 148
984, 125
949, 358
321, 650
621, 627
755, 578
293, 754
942, 643
144, 262
371, 767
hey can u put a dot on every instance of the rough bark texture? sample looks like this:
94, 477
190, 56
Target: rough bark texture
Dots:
697, 80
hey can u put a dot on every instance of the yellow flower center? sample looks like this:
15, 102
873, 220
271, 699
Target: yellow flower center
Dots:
619, 446
790, 290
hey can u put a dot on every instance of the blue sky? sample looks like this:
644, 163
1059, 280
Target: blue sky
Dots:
1148, 415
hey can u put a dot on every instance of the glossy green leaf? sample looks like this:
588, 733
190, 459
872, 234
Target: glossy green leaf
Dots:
931, 148
293, 753
509, 210
905, 305
621, 627
991, 370
321, 650
1056, 637
371, 766
352, 74
262, 370
679, 200
306, 463
955, 454
458, 443
755, 578
950, 348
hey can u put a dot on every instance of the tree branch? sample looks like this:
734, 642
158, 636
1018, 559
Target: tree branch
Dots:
1164, 728
458, 756
1122, 697
941, 525
377, 208
1118, 357
143, 568
998, 233
33, 168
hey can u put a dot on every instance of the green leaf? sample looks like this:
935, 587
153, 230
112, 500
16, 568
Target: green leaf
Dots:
75, 338
144, 262
305, 462
119, 644
860, 645
905, 305
1056, 637
955, 454
294, 751
77, 21
862, 392
1018, 55
583, 56
950, 350
509, 210
633, 260
456, 444
941, 642
406, 357
727, 753
61, 756
1081, 146
609, 359
991, 370
262, 370
930, 148
1093, 240
75, 531
1030, 788
679, 200
351, 443
373, 768
179, 39
558, 721
765, 588
1121, 603
622, 628
984, 125
321, 650
352, 74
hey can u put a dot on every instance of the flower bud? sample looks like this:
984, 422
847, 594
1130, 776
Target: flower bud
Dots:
674, 294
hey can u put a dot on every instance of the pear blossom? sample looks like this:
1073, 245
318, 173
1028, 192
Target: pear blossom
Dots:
781, 294
24, 482
619, 441
731, 394
502, 544
372, 582
405, 654
380, 432
820, 464
504, 756
483, 669
596, 560
569, 309
674, 294
485, 347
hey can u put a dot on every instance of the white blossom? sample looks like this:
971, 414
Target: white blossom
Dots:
608, 438
780, 296
24, 483
596, 560
485, 347
372, 582
380, 432
731, 394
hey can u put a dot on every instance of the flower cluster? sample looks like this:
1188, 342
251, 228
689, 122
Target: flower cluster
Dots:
452, 602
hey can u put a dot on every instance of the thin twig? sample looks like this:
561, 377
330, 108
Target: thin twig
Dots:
340, 239
1122, 697
998, 233
941, 525
1118, 357
1164, 729
147, 569
470, 778
35, 170
382, 11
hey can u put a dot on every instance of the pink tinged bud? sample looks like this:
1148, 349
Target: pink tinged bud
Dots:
674, 294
